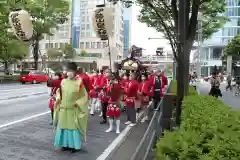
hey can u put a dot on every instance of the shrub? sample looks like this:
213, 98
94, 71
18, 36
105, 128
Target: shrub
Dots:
210, 130
173, 89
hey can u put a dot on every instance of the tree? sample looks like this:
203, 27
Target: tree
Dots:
68, 51
54, 53
233, 47
11, 51
46, 15
83, 53
178, 21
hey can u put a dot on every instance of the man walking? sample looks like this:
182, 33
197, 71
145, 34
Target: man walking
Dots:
229, 81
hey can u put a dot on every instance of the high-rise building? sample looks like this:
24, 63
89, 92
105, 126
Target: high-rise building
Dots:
212, 49
127, 18
88, 39
79, 31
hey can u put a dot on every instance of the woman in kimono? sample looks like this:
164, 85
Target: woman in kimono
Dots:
71, 111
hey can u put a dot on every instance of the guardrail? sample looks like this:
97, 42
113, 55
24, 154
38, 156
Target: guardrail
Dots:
160, 121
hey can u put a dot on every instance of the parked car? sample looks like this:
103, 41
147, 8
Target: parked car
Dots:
33, 77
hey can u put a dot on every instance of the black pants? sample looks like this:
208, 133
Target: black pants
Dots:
104, 111
131, 114
156, 99
229, 86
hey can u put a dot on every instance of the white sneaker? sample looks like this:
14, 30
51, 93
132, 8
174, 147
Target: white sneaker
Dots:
128, 122
132, 124
117, 131
109, 130
100, 115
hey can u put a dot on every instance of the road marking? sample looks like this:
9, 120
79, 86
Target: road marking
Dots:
24, 119
117, 141
5, 101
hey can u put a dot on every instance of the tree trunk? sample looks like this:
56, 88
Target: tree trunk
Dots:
36, 53
5, 65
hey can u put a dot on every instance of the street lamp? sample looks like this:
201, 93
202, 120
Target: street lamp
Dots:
200, 39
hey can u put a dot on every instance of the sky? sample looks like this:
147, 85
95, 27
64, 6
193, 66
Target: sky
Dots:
141, 33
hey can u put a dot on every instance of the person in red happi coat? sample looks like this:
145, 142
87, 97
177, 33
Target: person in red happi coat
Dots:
113, 108
144, 92
124, 83
86, 80
157, 83
131, 92
104, 97
55, 84
93, 93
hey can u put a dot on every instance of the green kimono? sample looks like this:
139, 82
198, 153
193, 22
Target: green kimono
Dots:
71, 112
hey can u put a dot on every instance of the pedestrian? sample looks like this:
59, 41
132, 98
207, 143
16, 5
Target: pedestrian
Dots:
131, 91
143, 91
229, 82
215, 86
71, 112
93, 94
113, 108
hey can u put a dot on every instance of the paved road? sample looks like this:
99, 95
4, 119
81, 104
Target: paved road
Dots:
228, 97
33, 139
9, 91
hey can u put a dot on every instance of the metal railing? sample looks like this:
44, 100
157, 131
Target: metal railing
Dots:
153, 132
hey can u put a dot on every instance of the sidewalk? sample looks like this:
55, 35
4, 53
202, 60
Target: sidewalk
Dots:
228, 97
33, 140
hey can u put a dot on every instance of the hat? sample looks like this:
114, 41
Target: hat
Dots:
72, 66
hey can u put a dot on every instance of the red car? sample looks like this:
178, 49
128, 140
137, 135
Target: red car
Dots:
33, 77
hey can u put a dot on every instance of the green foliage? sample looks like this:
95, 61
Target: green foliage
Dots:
83, 53
173, 89
209, 9
209, 131
233, 47
54, 53
68, 51
126, 3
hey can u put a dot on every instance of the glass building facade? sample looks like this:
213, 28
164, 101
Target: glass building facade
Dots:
212, 49
127, 18
75, 23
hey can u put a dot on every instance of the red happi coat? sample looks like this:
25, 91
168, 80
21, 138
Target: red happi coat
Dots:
152, 83
86, 81
104, 93
144, 92
113, 108
95, 80
131, 92
55, 85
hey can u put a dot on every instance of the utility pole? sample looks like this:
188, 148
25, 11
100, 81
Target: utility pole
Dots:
200, 40
71, 22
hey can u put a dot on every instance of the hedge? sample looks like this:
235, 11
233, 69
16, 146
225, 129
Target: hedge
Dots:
210, 130
9, 78
173, 89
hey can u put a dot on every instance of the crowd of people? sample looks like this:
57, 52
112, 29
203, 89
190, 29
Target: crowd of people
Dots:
75, 95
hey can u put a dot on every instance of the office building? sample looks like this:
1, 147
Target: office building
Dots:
127, 18
212, 49
83, 36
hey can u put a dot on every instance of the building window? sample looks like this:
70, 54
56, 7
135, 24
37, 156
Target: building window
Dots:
82, 45
62, 45
88, 34
88, 19
83, 19
83, 26
88, 26
56, 45
87, 45
93, 44
46, 45
98, 44
82, 11
82, 34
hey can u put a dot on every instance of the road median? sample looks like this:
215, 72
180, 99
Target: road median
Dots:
9, 79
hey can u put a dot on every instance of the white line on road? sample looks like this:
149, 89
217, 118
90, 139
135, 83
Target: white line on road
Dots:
22, 120
117, 141
5, 101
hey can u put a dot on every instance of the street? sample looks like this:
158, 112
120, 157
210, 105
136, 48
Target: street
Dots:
25, 131
228, 97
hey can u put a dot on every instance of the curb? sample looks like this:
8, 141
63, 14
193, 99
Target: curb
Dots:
22, 96
128, 130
